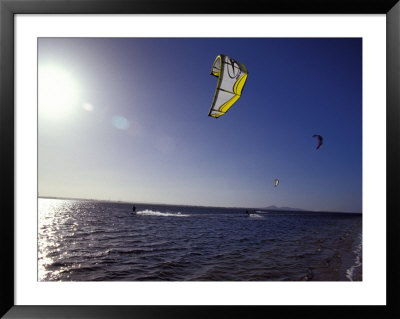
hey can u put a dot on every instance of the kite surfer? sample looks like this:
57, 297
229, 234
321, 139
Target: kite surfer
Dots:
134, 209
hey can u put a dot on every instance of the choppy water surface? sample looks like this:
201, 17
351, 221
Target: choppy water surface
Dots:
103, 241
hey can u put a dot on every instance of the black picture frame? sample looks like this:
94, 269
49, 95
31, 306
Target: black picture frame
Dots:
8, 8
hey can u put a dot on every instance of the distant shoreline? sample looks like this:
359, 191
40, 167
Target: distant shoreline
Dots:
266, 209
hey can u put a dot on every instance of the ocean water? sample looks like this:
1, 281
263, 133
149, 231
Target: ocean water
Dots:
83, 240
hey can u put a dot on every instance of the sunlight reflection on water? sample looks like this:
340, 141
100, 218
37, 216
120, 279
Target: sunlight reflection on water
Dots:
53, 216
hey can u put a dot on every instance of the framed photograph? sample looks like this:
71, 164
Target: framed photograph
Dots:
192, 159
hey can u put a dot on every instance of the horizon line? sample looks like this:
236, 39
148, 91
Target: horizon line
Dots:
237, 207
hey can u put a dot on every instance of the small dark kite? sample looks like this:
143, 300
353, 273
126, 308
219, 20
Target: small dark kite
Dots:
320, 140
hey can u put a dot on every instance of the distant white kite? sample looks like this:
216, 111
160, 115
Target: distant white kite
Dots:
231, 76
276, 182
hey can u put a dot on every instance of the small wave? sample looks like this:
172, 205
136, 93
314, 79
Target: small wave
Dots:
149, 212
137, 251
352, 272
84, 269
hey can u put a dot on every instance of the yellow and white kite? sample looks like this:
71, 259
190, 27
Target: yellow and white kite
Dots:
231, 76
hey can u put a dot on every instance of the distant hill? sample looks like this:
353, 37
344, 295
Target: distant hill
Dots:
273, 207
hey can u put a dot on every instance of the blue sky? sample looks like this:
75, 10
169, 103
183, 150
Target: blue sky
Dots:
126, 119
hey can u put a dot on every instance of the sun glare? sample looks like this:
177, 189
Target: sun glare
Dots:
58, 92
